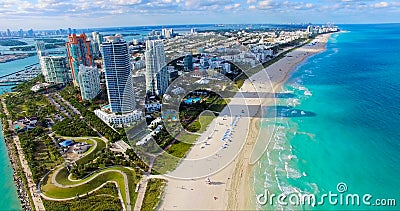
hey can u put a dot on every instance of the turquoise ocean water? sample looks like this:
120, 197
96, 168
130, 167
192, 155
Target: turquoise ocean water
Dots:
348, 131
9, 198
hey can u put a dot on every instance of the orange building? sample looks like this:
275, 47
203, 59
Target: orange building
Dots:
79, 52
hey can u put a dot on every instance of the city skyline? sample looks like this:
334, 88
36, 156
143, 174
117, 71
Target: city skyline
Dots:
104, 13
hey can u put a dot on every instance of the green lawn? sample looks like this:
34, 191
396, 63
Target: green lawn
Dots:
105, 198
188, 138
201, 123
54, 191
168, 161
153, 193
219, 105
92, 155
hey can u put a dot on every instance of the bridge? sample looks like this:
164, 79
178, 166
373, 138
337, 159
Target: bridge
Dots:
28, 73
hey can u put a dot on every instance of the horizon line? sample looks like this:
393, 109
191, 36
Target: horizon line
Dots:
166, 25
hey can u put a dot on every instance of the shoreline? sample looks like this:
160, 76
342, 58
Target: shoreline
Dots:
241, 182
18, 181
35, 201
234, 190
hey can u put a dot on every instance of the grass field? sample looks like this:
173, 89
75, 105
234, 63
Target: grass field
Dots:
105, 198
153, 193
100, 178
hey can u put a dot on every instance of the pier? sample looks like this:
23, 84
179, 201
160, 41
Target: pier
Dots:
15, 78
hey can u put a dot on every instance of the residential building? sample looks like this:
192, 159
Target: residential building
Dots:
54, 69
188, 63
162, 81
118, 75
167, 33
89, 82
97, 39
119, 119
79, 52
156, 81
41, 51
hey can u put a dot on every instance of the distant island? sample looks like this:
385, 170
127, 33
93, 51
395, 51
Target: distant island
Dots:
32, 47
11, 42
12, 57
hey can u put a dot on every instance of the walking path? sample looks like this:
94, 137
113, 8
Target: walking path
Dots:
89, 179
126, 182
37, 201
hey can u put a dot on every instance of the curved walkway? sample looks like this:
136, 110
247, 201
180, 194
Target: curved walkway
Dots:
126, 183
126, 204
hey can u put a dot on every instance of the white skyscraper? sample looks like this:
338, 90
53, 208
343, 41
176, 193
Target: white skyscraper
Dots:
54, 68
122, 108
167, 33
157, 81
118, 75
89, 82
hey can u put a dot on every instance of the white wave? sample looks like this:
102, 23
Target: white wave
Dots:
307, 93
302, 88
287, 189
278, 147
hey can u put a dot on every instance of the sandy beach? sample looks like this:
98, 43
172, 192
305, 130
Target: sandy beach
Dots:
223, 169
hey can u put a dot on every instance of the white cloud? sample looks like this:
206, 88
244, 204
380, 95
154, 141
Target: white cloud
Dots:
92, 9
382, 4
265, 4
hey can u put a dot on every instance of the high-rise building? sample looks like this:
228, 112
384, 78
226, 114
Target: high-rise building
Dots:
89, 82
97, 40
9, 33
41, 52
188, 63
155, 62
118, 75
79, 52
40, 48
30, 33
54, 69
162, 81
167, 33
21, 33
310, 29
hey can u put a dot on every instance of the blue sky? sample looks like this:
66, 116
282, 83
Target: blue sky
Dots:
52, 14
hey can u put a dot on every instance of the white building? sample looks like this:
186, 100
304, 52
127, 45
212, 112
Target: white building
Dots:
119, 119
153, 107
227, 68
54, 69
89, 82
167, 33
157, 80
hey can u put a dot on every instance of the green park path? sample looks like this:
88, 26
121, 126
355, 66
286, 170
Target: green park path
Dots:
57, 185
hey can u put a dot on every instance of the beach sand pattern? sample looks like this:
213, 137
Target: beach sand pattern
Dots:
231, 186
